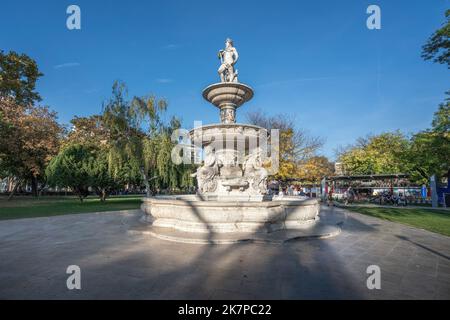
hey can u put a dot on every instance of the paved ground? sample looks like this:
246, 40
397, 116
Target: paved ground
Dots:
34, 255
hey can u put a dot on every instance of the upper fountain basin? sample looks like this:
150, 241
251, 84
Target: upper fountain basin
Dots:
225, 93
227, 132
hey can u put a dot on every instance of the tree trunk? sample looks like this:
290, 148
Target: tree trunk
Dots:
13, 191
79, 193
147, 181
10, 184
34, 186
40, 190
103, 195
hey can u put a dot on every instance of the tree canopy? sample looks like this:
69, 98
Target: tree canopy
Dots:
314, 169
429, 152
296, 146
18, 76
423, 154
437, 47
87, 130
376, 154
81, 167
430, 149
141, 139
29, 138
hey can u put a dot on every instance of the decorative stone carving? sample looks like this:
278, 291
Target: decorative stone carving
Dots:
254, 171
227, 115
207, 174
228, 58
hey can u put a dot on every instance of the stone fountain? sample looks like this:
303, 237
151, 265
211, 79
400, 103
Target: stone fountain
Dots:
232, 202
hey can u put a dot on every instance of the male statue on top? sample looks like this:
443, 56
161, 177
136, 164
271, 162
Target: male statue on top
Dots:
228, 58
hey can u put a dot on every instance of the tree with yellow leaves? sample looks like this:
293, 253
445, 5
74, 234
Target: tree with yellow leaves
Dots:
29, 138
314, 169
295, 145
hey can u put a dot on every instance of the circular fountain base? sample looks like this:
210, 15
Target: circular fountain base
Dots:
191, 219
191, 213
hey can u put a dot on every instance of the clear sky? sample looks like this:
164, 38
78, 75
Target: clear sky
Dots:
312, 60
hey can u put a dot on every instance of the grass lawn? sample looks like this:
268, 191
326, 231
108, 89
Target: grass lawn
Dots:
432, 220
28, 207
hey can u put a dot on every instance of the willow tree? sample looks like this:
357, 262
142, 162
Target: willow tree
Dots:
140, 139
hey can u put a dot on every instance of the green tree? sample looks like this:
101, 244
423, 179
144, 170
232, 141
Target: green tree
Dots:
18, 76
430, 149
438, 46
141, 139
99, 174
87, 130
441, 119
80, 167
91, 131
379, 154
29, 138
70, 169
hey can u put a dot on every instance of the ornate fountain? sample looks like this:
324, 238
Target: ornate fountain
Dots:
232, 201
233, 152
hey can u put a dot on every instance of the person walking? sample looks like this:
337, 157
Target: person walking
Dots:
330, 198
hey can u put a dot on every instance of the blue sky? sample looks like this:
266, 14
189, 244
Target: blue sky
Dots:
312, 60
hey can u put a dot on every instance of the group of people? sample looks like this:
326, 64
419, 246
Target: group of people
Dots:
392, 199
349, 196
385, 198
291, 190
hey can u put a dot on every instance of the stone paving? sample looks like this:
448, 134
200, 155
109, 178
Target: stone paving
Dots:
34, 255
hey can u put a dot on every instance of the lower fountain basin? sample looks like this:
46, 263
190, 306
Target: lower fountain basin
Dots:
192, 213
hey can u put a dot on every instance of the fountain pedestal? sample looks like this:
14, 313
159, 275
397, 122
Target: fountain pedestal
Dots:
228, 96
